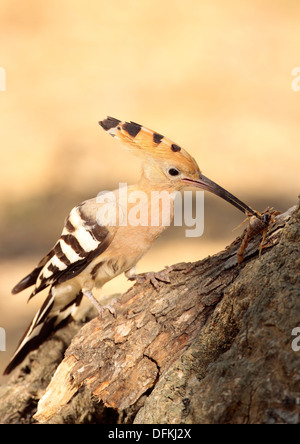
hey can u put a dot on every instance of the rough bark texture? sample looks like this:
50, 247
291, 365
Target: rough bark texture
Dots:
212, 346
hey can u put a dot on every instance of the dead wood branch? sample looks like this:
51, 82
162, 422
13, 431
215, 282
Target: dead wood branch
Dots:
192, 351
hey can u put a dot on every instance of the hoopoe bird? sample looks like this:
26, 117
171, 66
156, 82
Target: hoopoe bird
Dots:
91, 252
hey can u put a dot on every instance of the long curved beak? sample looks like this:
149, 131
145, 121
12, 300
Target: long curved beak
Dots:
206, 184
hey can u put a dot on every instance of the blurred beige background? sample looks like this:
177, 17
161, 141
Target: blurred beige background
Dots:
213, 76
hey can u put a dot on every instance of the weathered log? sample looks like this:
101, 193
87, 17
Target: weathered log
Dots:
213, 345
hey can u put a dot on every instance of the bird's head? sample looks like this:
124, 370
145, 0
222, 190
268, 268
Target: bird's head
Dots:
166, 164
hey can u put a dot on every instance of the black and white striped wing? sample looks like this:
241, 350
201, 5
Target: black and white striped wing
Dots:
82, 239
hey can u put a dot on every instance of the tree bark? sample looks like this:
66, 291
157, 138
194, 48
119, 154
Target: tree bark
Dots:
214, 345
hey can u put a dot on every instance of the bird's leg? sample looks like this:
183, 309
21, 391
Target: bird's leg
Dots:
100, 308
155, 278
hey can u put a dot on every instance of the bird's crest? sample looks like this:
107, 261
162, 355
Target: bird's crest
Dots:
147, 144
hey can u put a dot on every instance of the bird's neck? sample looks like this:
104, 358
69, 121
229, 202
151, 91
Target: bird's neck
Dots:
159, 200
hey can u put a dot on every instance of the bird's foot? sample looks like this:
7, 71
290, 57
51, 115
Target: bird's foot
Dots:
155, 278
100, 308
108, 307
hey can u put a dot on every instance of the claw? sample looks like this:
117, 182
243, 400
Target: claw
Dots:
155, 278
100, 308
110, 308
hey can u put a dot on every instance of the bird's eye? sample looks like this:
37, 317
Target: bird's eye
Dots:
173, 172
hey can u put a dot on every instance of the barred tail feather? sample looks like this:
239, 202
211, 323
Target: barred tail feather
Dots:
27, 281
31, 278
49, 318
